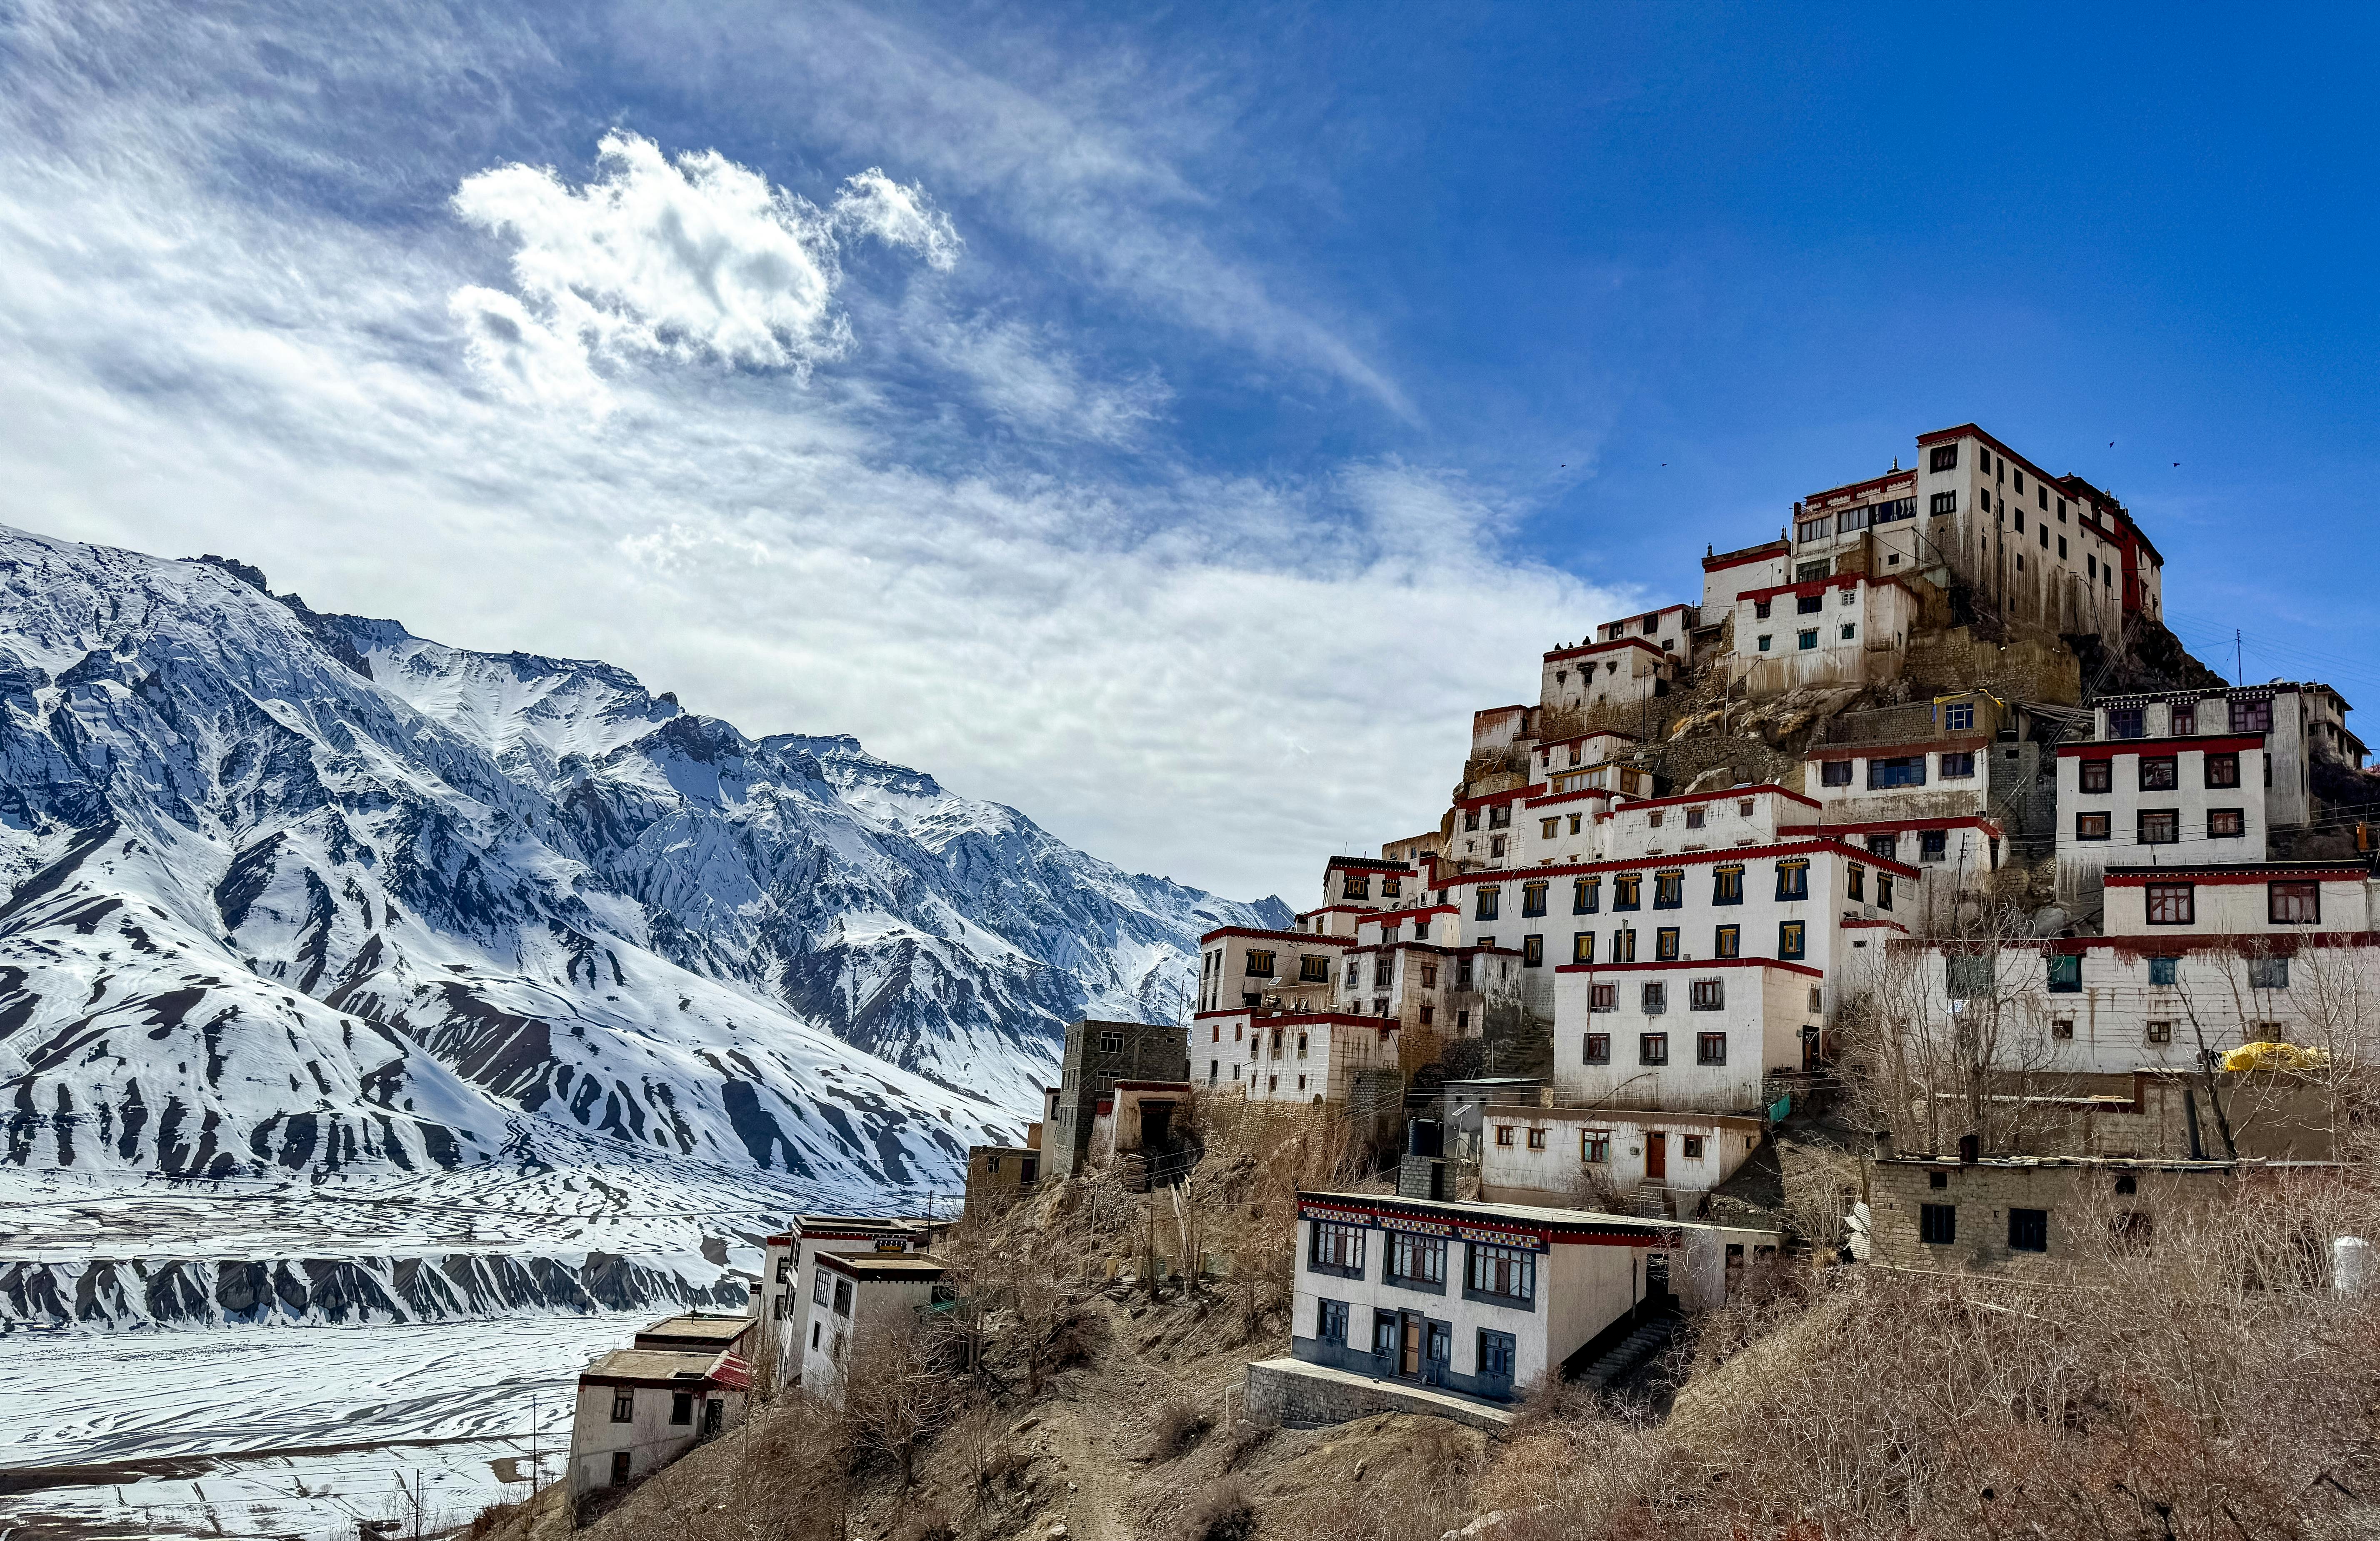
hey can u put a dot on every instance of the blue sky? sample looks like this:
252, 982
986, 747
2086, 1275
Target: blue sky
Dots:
1173, 424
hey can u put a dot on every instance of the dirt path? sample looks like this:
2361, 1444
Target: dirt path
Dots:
1094, 1511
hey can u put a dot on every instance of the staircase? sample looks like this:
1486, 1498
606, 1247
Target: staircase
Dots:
1648, 1201
1631, 1352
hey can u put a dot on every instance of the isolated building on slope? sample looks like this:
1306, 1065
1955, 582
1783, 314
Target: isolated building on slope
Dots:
639, 1408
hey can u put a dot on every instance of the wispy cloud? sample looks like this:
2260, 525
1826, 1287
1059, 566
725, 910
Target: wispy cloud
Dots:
1213, 674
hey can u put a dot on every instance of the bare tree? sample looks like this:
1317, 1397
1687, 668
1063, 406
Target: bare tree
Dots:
897, 1386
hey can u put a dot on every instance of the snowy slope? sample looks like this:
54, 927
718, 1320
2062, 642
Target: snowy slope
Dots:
300, 895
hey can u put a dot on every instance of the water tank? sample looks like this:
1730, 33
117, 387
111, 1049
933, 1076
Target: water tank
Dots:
2350, 1263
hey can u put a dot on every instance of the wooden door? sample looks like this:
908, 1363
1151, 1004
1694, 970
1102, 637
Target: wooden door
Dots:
1409, 1362
1657, 1157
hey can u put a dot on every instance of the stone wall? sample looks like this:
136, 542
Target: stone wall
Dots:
1283, 1392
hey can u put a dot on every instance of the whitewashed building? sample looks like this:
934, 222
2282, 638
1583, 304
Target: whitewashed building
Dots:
1546, 1155
850, 1295
1484, 1300
1851, 629
679, 1381
781, 1304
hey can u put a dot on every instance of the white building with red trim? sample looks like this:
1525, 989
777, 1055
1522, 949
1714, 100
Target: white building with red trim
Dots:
1670, 628
1852, 628
1727, 575
1620, 678
781, 1303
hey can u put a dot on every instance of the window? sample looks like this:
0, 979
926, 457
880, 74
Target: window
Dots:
1330, 1321
2028, 1231
1585, 897
1502, 1270
1835, 772
1313, 970
2160, 1032
1728, 943
1392, 887
1496, 1354
1788, 940
620, 1468
2181, 720
2268, 973
1695, 818
1417, 1259
2254, 717
1536, 1139
1957, 767
822, 1287
2089, 826
623, 1406
1937, 1224
1384, 1334
1727, 885
1500, 816
1793, 880
1623, 946
1603, 998
1809, 604
1533, 951
1471, 820
1495, 846
1944, 502
1884, 891
1354, 978
1945, 458
1259, 968
1339, 1249
1627, 891
1429, 976
2295, 904
2125, 722
2098, 775
2159, 774
1852, 520
1932, 845
2162, 970
1504, 1134
1655, 996
1693, 1146
2172, 903
1653, 821
785, 1265
1885, 845
1574, 819
1854, 881
1594, 1146
2065, 978
1669, 890
842, 1297
1652, 1049
1808, 640
1581, 947
682, 1407
2222, 770
1599, 1045
1381, 967
1491, 902
1849, 631
2160, 826
1906, 770
1548, 828
1760, 609
2225, 823
1533, 899
1958, 717
1710, 1049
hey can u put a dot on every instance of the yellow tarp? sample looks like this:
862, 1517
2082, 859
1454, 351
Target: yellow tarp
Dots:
2275, 1056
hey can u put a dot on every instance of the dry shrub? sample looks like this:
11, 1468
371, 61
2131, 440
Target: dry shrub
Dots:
924, 1522
2205, 1384
1221, 1511
1177, 1426
491, 1520
1247, 1435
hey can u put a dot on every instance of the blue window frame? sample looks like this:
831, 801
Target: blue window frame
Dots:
2065, 972
1793, 880
2164, 971
1497, 1351
1330, 1321
1586, 896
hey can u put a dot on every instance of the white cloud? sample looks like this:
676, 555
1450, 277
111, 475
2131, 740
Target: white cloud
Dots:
698, 258
1220, 678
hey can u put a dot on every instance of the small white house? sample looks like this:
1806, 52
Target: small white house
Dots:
1562, 1156
781, 1304
1484, 1299
642, 1407
848, 1295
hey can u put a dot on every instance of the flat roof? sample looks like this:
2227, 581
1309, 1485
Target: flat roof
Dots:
653, 1364
866, 1266
722, 1331
1582, 1224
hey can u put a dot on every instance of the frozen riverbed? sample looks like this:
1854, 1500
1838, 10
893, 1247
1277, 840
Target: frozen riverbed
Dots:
295, 1431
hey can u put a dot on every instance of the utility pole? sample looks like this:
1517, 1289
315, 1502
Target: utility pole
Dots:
2239, 654
533, 1448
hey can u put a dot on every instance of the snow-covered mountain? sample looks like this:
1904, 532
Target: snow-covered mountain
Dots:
302, 894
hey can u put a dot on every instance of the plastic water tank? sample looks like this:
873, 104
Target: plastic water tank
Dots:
2350, 1263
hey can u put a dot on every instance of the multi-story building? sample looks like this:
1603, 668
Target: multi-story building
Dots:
1938, 783
1670, 629
1098, 1055
1851, 628
781, 1304
639, 1408
852, 1295
1728, 574
2193, 776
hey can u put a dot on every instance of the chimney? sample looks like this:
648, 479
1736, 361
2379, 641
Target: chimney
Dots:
1884, 1145
1970, 1148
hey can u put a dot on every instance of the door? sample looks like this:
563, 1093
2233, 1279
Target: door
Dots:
1409, 1362
1657, 1157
